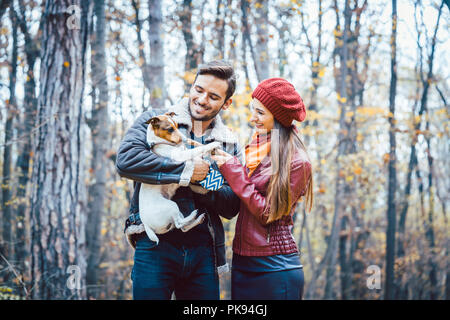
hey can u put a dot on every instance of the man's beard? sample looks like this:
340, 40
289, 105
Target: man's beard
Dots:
205, 117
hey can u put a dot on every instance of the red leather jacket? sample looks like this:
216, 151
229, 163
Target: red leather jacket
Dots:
253, 236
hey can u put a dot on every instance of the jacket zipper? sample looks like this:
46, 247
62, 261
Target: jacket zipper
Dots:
268, 235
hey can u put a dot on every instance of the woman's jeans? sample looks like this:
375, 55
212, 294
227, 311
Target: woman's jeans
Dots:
161, 269
276, 285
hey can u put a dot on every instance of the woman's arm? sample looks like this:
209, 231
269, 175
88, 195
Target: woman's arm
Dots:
240, 183
224, 201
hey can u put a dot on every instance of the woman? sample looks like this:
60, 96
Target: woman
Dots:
266, 263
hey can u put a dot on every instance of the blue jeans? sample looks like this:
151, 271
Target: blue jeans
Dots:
276, 285
161, 269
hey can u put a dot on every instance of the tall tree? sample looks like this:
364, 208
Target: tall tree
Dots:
158, 88
7, 247
153, 69
428, 223
343, 148
317, 69
246, 38
3, 6
99, 125
392, 184
219, 29
28, 114
425, 81
58, 262
262, 59
194, 52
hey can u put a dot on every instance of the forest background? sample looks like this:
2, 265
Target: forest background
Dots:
374, 76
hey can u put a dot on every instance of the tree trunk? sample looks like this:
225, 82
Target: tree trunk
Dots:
99, 124
262, 61
343, 141
426, 81
194, 54
3, 6
7, 247
58, 263
246, 38
145, 69
220, 29
315, 60
27, 121
429, 231
158, 89
392, 184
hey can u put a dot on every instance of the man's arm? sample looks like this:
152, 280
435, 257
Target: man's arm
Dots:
136, 161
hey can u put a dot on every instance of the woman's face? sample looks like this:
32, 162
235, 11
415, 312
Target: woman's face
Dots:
261, 117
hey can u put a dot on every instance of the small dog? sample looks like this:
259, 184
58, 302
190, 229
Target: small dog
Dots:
158, 213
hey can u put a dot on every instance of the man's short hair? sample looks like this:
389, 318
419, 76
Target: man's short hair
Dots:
222, 70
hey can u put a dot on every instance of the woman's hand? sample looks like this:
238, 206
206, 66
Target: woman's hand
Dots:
220, 157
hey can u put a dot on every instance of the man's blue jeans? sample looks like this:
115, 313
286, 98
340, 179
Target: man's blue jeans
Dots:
161, 269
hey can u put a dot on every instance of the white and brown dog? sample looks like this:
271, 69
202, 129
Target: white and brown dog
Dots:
158, 213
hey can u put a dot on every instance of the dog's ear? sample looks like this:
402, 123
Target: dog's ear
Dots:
170, 114
154, 122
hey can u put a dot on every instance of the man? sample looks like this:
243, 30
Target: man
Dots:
186, 263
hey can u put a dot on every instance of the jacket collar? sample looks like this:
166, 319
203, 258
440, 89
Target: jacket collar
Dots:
217, 131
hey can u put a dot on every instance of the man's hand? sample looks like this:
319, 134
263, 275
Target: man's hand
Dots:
201, 169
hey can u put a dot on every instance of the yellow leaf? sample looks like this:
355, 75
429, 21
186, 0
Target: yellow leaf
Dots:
66, 64
359, 137
417, 119
188, 77
341, 99
321, 73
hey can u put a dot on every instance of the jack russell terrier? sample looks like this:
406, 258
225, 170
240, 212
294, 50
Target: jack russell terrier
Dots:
157, 212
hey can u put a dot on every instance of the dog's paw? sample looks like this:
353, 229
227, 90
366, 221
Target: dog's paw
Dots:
214, 145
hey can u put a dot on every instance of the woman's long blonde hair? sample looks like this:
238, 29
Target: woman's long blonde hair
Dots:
284, 143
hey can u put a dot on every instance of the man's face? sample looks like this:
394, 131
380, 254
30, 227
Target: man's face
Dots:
207, 97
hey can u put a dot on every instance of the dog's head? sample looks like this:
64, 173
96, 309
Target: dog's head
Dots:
166, 128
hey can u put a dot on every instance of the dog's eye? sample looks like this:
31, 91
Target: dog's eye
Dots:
170, 130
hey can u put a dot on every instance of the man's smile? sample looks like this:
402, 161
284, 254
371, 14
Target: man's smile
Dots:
200, 109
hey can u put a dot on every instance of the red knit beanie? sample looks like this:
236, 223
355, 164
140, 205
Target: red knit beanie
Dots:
280, 97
